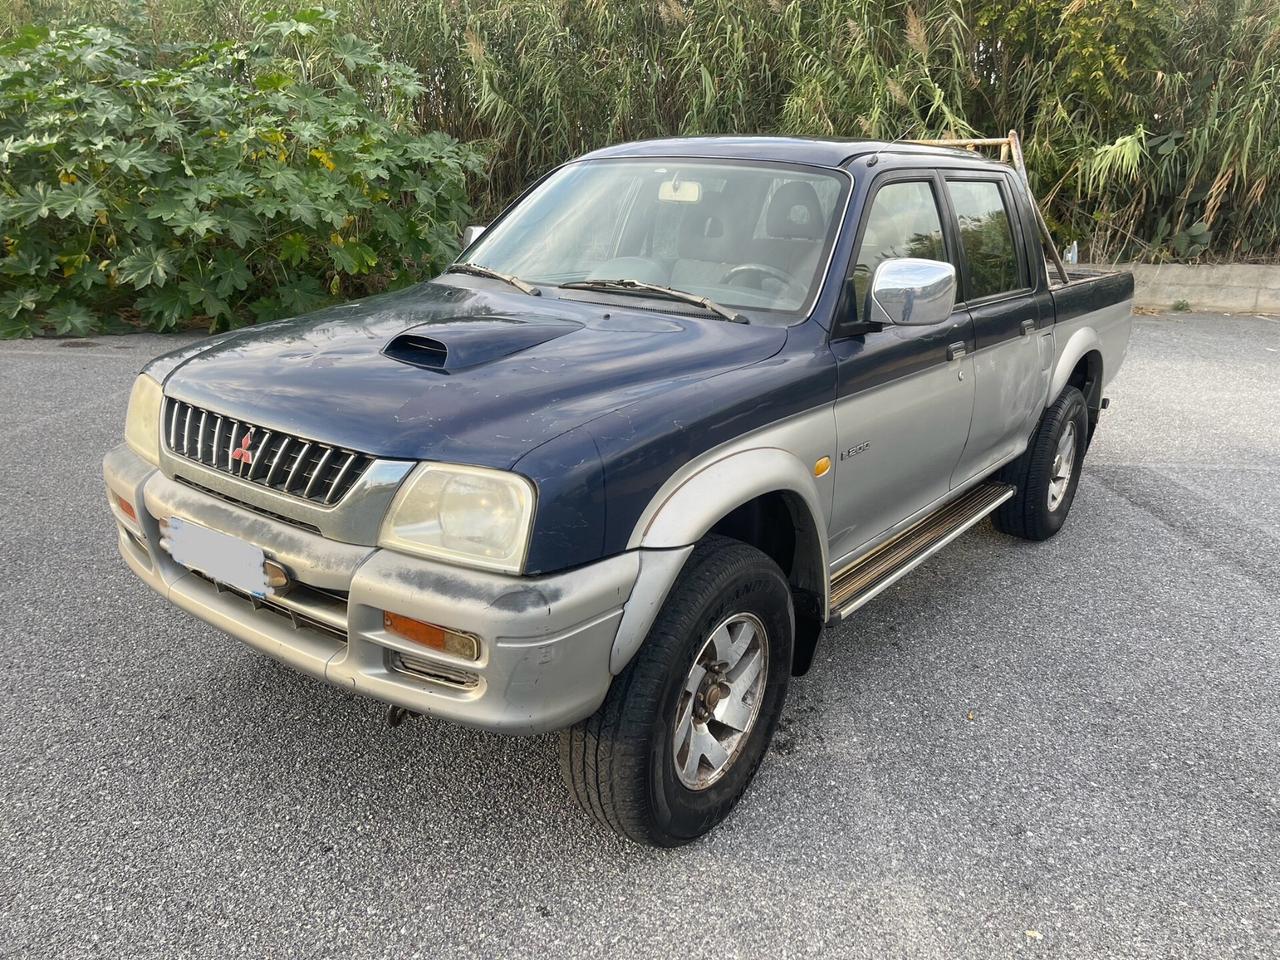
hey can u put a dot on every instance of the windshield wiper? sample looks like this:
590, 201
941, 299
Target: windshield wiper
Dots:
475, 270
705, 302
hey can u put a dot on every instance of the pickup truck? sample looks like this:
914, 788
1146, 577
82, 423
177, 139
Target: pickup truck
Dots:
682, 406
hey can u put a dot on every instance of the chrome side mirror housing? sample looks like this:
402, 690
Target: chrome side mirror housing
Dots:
472, 233
909, 291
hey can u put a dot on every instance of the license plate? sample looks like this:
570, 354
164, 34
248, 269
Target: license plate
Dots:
225, 558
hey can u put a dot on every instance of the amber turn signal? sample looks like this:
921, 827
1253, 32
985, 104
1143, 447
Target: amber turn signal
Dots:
127, 508
429, 635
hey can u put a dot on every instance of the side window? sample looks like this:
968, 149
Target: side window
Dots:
903, 222
987, 237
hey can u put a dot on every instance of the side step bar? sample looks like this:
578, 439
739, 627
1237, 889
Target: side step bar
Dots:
884, 566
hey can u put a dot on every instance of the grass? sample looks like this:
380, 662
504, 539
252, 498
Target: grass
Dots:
1152, 127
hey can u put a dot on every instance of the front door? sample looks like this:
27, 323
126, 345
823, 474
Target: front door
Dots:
904, 394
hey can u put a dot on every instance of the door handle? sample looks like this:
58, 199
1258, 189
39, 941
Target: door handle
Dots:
1028, 327
956, 350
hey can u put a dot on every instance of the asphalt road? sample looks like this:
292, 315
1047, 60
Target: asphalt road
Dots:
1066, 749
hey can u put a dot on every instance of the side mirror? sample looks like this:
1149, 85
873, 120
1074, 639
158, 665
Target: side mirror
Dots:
912, 292
472, 234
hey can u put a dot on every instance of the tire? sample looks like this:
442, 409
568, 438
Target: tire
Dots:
1040, 507
621, 762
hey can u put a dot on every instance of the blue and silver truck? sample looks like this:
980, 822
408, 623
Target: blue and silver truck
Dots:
685, 404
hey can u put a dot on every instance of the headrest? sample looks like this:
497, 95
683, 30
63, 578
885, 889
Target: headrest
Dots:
709, 231
794, 213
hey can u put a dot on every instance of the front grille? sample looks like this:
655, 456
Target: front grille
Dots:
209, 491
301, 468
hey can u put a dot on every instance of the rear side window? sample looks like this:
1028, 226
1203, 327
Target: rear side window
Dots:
987, 237
903, 222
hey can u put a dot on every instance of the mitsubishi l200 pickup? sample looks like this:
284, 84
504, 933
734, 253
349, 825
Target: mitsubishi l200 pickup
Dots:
682, 406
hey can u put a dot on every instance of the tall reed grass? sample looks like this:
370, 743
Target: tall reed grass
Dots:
1152, 126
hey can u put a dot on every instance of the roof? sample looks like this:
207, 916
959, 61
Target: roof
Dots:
830, 152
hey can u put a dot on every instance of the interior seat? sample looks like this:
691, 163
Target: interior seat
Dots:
794, 230
710, 243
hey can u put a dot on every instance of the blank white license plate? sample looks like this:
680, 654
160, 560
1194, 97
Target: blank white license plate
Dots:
223, 557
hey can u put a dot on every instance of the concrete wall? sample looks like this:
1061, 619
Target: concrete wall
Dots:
1231, 288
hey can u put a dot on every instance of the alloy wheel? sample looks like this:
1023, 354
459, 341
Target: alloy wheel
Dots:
1064, 464
720, 700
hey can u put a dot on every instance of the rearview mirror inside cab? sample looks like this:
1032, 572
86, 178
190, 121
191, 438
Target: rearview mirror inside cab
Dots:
676, 190
912, 292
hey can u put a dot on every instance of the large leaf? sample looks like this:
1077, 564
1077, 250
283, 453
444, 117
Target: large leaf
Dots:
69, 317
79, 200
145, 267
352, 257
24, 263
87, 277
22, 300
20, 325
202, 293
294, 248
12, 147
130, 157
166, 307
167, 206
230, 273
240, 226
33, 202
302, 295
195, 222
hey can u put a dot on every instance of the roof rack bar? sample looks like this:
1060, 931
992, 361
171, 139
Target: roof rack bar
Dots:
1010, 150
964, 142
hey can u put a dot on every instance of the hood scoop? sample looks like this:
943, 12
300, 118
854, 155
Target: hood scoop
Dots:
461, 344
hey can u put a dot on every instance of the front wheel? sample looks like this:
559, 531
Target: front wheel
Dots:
1048, 471
685, 725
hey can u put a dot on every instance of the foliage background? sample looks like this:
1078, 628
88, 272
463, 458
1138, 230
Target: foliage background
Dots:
219, 183
1152, 127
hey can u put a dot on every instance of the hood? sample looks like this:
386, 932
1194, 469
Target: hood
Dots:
445, 371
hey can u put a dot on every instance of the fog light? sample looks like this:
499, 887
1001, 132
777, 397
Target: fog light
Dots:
126, 508
436, 671
429, 635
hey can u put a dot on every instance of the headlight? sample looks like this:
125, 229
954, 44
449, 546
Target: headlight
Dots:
474, 516
142, 422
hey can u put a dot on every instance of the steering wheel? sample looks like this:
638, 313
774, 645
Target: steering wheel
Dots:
762, 270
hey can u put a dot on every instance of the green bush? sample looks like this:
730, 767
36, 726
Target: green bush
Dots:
223, 183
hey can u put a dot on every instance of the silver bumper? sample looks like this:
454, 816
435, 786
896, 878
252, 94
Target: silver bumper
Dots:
546, 642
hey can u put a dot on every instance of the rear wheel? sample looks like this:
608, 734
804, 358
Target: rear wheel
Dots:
685, 725
1048, 471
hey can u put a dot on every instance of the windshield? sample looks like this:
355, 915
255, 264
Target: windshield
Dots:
752, 235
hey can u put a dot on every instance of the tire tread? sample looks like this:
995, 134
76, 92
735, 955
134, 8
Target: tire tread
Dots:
604, 758
1025, 514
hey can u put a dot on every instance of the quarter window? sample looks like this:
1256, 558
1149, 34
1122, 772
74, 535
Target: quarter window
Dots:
987, 237
903, 222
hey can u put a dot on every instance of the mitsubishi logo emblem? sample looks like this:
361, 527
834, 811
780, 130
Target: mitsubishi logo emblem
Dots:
242, 453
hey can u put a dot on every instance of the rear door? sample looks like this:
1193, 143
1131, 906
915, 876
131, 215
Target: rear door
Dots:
996, 286
904, 394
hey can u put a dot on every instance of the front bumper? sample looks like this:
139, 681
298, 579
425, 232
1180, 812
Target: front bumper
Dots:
545, 641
